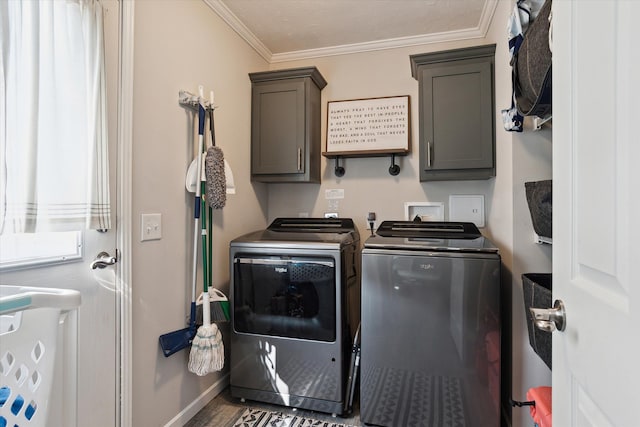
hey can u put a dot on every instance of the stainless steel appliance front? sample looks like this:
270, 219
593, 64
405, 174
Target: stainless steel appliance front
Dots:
291, 297
430, 332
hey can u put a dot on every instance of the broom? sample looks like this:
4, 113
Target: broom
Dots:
216, 196
207, 348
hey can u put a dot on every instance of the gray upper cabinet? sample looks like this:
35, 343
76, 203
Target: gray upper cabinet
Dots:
285, 125
456, 113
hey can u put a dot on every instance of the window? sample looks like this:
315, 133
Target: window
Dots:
36, 249
53, 117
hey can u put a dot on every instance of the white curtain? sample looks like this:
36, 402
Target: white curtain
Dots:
53, 132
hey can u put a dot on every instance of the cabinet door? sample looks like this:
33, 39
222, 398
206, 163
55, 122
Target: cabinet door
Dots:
457, 119
278, 128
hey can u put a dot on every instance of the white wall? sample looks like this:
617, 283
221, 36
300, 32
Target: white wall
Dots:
531, 162
179, 45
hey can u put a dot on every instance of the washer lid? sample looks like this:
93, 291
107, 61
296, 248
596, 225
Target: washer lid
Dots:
431, 236
429, 229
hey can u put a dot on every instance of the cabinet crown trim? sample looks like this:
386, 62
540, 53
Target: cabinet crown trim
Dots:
450, 55
291, 73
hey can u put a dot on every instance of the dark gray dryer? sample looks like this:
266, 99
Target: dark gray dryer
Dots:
295, 293
430, 326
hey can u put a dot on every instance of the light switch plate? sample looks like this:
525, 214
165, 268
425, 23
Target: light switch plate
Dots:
150, 227
467, 208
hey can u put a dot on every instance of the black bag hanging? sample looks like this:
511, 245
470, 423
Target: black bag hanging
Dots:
532, 68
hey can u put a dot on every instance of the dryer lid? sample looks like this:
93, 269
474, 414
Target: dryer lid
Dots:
312, 225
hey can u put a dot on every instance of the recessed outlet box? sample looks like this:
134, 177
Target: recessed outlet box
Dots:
467, 208
425, 211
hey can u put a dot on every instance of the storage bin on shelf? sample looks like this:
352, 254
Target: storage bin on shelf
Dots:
536, 291
540, 202
29, 319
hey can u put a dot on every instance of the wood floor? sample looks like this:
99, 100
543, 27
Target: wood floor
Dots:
223, 410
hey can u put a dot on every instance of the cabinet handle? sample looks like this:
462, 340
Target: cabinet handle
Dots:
429, 154
299, 159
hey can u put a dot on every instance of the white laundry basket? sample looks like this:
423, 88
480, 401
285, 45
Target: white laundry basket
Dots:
29, 319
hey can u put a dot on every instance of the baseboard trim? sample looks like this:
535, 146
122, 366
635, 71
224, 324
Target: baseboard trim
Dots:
200, 402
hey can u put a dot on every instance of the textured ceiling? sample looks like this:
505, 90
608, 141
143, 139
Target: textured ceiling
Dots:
299, 28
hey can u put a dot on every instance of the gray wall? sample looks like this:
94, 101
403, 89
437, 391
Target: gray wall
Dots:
181, 44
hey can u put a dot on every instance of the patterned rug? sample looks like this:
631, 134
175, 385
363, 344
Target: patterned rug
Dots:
259, 418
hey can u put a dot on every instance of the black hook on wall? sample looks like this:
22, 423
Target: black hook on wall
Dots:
394, 169
338, 170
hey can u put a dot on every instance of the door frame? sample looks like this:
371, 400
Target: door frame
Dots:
123, 212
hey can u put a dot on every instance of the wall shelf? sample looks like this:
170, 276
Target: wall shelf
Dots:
541, 240
339, 169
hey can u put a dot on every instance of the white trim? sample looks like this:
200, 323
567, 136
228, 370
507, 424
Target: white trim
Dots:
232, 20
124, 404
399, 42
468, 34
200, 402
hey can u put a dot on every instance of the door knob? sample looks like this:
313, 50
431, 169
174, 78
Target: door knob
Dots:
550, 319
102, 260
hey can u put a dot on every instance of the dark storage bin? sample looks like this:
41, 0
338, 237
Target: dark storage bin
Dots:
536, 290
539, 200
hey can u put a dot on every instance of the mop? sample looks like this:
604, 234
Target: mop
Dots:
207, 348
218, 177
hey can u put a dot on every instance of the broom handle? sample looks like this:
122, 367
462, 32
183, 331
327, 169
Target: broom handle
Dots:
205, 262
210, 237
206, 274
196, 225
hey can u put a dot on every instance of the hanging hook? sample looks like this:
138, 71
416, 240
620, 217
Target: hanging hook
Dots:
338, 170
394, 169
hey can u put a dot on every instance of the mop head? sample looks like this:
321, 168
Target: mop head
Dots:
207, 351
216, 182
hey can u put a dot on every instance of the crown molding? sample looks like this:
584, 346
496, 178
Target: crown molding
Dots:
232, 20
447, 36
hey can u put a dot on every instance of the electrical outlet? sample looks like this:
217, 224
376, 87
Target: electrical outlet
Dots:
150, 227
331, 214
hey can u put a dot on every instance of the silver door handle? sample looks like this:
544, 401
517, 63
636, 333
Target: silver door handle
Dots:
550, 319
102, 260
299, 159
429, 154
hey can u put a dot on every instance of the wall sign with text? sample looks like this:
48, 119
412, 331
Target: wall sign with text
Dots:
368, 126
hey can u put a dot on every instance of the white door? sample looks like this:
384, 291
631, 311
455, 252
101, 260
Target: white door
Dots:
97, 318
596, 234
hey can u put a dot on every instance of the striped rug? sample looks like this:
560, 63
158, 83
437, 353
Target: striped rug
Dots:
259, 418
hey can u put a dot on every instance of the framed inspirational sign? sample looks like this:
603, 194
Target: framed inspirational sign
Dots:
366, 127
